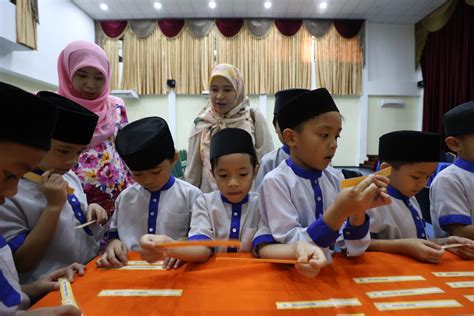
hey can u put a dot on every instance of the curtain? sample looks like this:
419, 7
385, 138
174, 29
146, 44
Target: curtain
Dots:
149, 62
339, 63
26, 24
447, 65
266, 69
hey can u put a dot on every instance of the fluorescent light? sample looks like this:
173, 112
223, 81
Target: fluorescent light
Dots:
267, 5
104, 6
212, 5
323, 5
157, 5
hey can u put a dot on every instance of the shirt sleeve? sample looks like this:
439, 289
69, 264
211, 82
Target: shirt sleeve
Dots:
113, 232
449, 202
13, 222
201, 226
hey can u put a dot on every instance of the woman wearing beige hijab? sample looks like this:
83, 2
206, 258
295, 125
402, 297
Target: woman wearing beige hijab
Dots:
228, 106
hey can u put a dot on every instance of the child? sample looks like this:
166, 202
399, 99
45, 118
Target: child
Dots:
21, 149
38, 222
300, 199
451, 194
158, 203
231, 212
399, 227
228, 106
271, 160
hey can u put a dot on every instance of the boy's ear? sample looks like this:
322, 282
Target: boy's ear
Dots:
289, 137
453, 143
384, 165
255, 170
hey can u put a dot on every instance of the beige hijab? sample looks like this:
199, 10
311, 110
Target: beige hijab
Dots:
209, 122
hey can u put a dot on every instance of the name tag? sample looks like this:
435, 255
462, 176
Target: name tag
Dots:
389, 279
461, 285
332, 302
141, 292
405, 292
454, 274
416, 305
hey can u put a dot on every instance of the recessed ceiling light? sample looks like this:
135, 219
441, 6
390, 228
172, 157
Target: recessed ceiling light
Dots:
267, 5
212, 5
323, 5
157, 5
104, 6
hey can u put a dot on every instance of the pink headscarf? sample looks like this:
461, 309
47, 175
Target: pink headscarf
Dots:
77, 55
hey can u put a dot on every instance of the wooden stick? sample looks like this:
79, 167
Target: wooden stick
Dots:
206, 243
37, 179
453, 246
255, 260
347, 183
86, 224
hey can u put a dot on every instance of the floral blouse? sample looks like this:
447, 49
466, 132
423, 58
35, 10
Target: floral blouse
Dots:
101, 170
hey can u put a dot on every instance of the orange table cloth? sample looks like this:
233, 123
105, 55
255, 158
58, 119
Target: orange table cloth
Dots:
237, 288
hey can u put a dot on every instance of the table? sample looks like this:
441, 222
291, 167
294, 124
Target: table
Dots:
236, 288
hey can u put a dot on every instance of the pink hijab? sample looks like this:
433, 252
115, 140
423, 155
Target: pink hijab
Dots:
77, 55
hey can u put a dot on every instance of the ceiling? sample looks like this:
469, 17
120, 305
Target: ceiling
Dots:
377, 11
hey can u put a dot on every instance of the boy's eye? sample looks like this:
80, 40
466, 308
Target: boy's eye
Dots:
244, 174
324, 135
416, 178
222, 175
63, 151
156, 172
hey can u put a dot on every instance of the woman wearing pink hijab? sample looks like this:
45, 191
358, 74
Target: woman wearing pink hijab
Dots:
84, 74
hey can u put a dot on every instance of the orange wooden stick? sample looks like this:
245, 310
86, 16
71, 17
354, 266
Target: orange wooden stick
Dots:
256, 260
37, 179
206, 243
347, 183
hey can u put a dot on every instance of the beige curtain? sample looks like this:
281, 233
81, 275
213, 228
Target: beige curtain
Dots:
270, 63
25, 24
149, 62
111, 48
339, 63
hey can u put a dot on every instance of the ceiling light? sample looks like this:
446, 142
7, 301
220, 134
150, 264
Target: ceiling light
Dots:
104, 6
267, 5
157, 5
323, 5
212, 5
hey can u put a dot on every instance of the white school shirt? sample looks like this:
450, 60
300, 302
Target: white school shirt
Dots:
164, 212
20, 213
269, 162
214, 217
291, 210
400, 219
452, 196
12, 299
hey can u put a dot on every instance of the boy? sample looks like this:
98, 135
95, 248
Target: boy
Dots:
271, 160
21, 149
399, 227
157, 203
232, 211
451, 194
38, 222
300, 199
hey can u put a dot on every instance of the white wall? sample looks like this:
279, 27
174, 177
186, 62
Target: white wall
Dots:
60, 23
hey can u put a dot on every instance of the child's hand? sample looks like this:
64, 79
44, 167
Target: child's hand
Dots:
466, 252
97, 212
421, 249
370, 193
310, 259
50, 283
172, 263
54, 189
115, 255
149, 249
66, 310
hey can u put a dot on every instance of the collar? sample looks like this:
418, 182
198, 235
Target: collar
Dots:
286, 149
313, 174
244, 200
396, 194
464, 164
166, 186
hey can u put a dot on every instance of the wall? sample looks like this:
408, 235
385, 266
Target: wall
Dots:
60, 23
